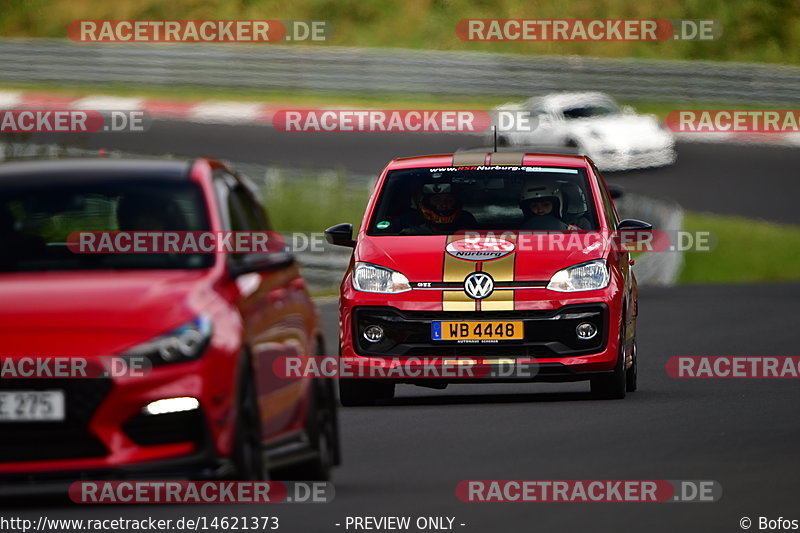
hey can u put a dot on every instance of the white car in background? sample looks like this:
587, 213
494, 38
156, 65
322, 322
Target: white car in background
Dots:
592, 124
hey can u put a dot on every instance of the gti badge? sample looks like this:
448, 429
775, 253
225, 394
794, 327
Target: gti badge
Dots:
478, 285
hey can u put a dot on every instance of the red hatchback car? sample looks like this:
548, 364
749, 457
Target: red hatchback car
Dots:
490, 258
209, 324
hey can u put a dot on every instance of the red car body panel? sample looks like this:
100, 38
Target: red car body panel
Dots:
422, 258
105, 313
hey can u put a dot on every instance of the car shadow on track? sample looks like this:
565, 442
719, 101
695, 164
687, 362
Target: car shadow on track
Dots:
496, 398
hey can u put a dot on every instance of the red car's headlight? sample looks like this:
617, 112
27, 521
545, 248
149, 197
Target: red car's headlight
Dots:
185, 343
374, 278
587, 276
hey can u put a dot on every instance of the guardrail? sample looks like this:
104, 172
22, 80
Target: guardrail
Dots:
384, 71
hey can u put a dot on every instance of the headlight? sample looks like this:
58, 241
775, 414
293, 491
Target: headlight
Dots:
185, 343
583, 277
373, 278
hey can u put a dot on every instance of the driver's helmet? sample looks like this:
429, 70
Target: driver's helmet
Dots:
541, 190
438, 204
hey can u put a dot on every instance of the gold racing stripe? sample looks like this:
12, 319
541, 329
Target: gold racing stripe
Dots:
456, 270
507, 158
465, 159
501, 270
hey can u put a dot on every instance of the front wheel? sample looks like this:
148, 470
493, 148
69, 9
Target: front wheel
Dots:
631, 374
323, 433
612, 386
247, 452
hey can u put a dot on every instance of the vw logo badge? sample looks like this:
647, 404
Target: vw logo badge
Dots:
478, 285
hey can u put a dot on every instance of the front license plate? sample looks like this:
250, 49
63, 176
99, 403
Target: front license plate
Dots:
32, 406
477, 331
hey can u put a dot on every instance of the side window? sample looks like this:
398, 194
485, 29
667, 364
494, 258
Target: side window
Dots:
252, 211
234, 211
241, 211
608, 205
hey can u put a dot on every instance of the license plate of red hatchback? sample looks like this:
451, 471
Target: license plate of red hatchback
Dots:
474, 330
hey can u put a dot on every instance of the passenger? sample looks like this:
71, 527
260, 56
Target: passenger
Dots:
541, 206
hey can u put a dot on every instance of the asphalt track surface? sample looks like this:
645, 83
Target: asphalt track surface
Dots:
406, 457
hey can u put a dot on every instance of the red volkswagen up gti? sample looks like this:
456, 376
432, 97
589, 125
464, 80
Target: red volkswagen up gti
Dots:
208, 324
489, 257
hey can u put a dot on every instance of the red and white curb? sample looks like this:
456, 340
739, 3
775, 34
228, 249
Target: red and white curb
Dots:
229, 112
213, 112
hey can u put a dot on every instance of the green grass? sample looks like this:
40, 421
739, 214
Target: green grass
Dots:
746, 250
310, 204
287, 98
753, 30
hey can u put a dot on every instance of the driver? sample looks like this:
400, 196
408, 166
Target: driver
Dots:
439, 210
541, 205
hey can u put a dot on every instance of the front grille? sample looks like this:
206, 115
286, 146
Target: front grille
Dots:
547, 334
70, 439
170, 428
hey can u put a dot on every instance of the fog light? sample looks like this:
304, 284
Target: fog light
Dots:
586, 331
171, 405
373, 333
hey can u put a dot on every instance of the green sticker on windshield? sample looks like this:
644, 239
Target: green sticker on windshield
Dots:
383, 224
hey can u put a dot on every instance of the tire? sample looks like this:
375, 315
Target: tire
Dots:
363, 392
323, 433
612, 386
247, 453
631, 374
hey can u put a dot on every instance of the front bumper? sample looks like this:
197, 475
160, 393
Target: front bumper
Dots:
106, 434
550, 344
547, 333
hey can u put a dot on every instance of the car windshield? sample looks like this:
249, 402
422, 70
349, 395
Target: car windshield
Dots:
442, 201
590, 111
35, 222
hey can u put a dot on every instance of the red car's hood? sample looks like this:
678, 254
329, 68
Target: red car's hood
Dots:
533, 257
94, 313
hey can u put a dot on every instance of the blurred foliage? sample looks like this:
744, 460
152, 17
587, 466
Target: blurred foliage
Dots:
314, 202
746, 250
753, 30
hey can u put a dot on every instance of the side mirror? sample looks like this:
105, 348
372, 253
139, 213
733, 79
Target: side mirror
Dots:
628, 110
635, 235
340, 235
631, 224
616, 191
261, 262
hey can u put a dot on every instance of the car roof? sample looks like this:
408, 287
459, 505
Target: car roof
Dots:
565, 99
494, 158
53, 171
